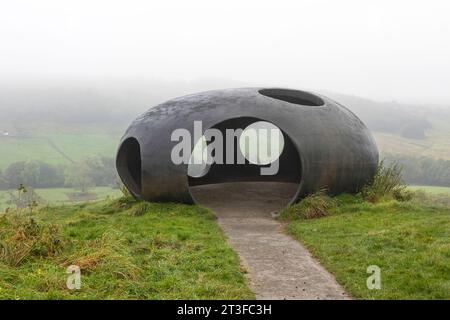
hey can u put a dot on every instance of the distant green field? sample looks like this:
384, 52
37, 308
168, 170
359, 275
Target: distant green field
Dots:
431, 189
436, 144
60, 195
57, 148
56, 143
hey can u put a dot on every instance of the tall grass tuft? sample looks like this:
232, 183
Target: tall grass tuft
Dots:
387, 183
140, 208
313, 206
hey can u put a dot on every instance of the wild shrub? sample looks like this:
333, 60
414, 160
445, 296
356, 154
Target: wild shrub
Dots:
387, 183
313, 206
402, 194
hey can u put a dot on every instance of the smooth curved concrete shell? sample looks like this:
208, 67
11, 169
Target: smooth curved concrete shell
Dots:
327, 146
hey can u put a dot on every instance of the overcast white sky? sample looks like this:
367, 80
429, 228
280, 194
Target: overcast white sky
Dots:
385, 49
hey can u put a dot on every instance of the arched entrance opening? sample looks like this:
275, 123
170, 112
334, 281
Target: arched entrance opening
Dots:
128, 163
233, 185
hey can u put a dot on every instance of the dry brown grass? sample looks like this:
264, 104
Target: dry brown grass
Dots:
22, 237
109, 253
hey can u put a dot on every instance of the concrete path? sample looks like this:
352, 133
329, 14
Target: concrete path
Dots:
279, 267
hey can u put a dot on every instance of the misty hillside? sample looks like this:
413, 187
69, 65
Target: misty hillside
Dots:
119, 103
409, 121
88, 103
63, 126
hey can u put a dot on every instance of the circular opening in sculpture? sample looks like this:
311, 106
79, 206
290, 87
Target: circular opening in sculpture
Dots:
293, 96
237, 181
261, 143
129, 166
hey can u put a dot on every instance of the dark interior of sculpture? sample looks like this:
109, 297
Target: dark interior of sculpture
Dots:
129, 165
237, 177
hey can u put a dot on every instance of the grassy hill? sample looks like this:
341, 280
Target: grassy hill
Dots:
408, 241
56, 196
390, 121
137, 250
436, 143
432, 189
57, 148
125, 250
427, 147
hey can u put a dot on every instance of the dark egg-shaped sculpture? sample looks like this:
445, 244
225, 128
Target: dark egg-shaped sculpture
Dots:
324, 145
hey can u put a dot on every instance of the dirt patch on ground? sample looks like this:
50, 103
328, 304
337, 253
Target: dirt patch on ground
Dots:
279, 266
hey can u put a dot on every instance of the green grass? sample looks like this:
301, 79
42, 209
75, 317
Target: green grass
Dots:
80, 146
431, 189
76, 146
59, 195
408, 241
126, 250
16, 149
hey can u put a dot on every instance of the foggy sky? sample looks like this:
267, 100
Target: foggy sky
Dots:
384, 50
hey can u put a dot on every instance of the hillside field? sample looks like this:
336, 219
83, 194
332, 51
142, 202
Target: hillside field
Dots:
435, 145
57, 148
138, 250
59, 195
431, 189
124, 249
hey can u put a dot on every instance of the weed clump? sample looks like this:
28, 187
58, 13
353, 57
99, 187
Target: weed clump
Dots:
118, 205
140, 209
22, 238
387, 183
315, 205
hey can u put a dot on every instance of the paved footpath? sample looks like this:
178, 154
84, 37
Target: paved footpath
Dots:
279, 267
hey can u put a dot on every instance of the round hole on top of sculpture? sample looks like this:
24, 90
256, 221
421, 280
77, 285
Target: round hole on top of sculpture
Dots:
293, 96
